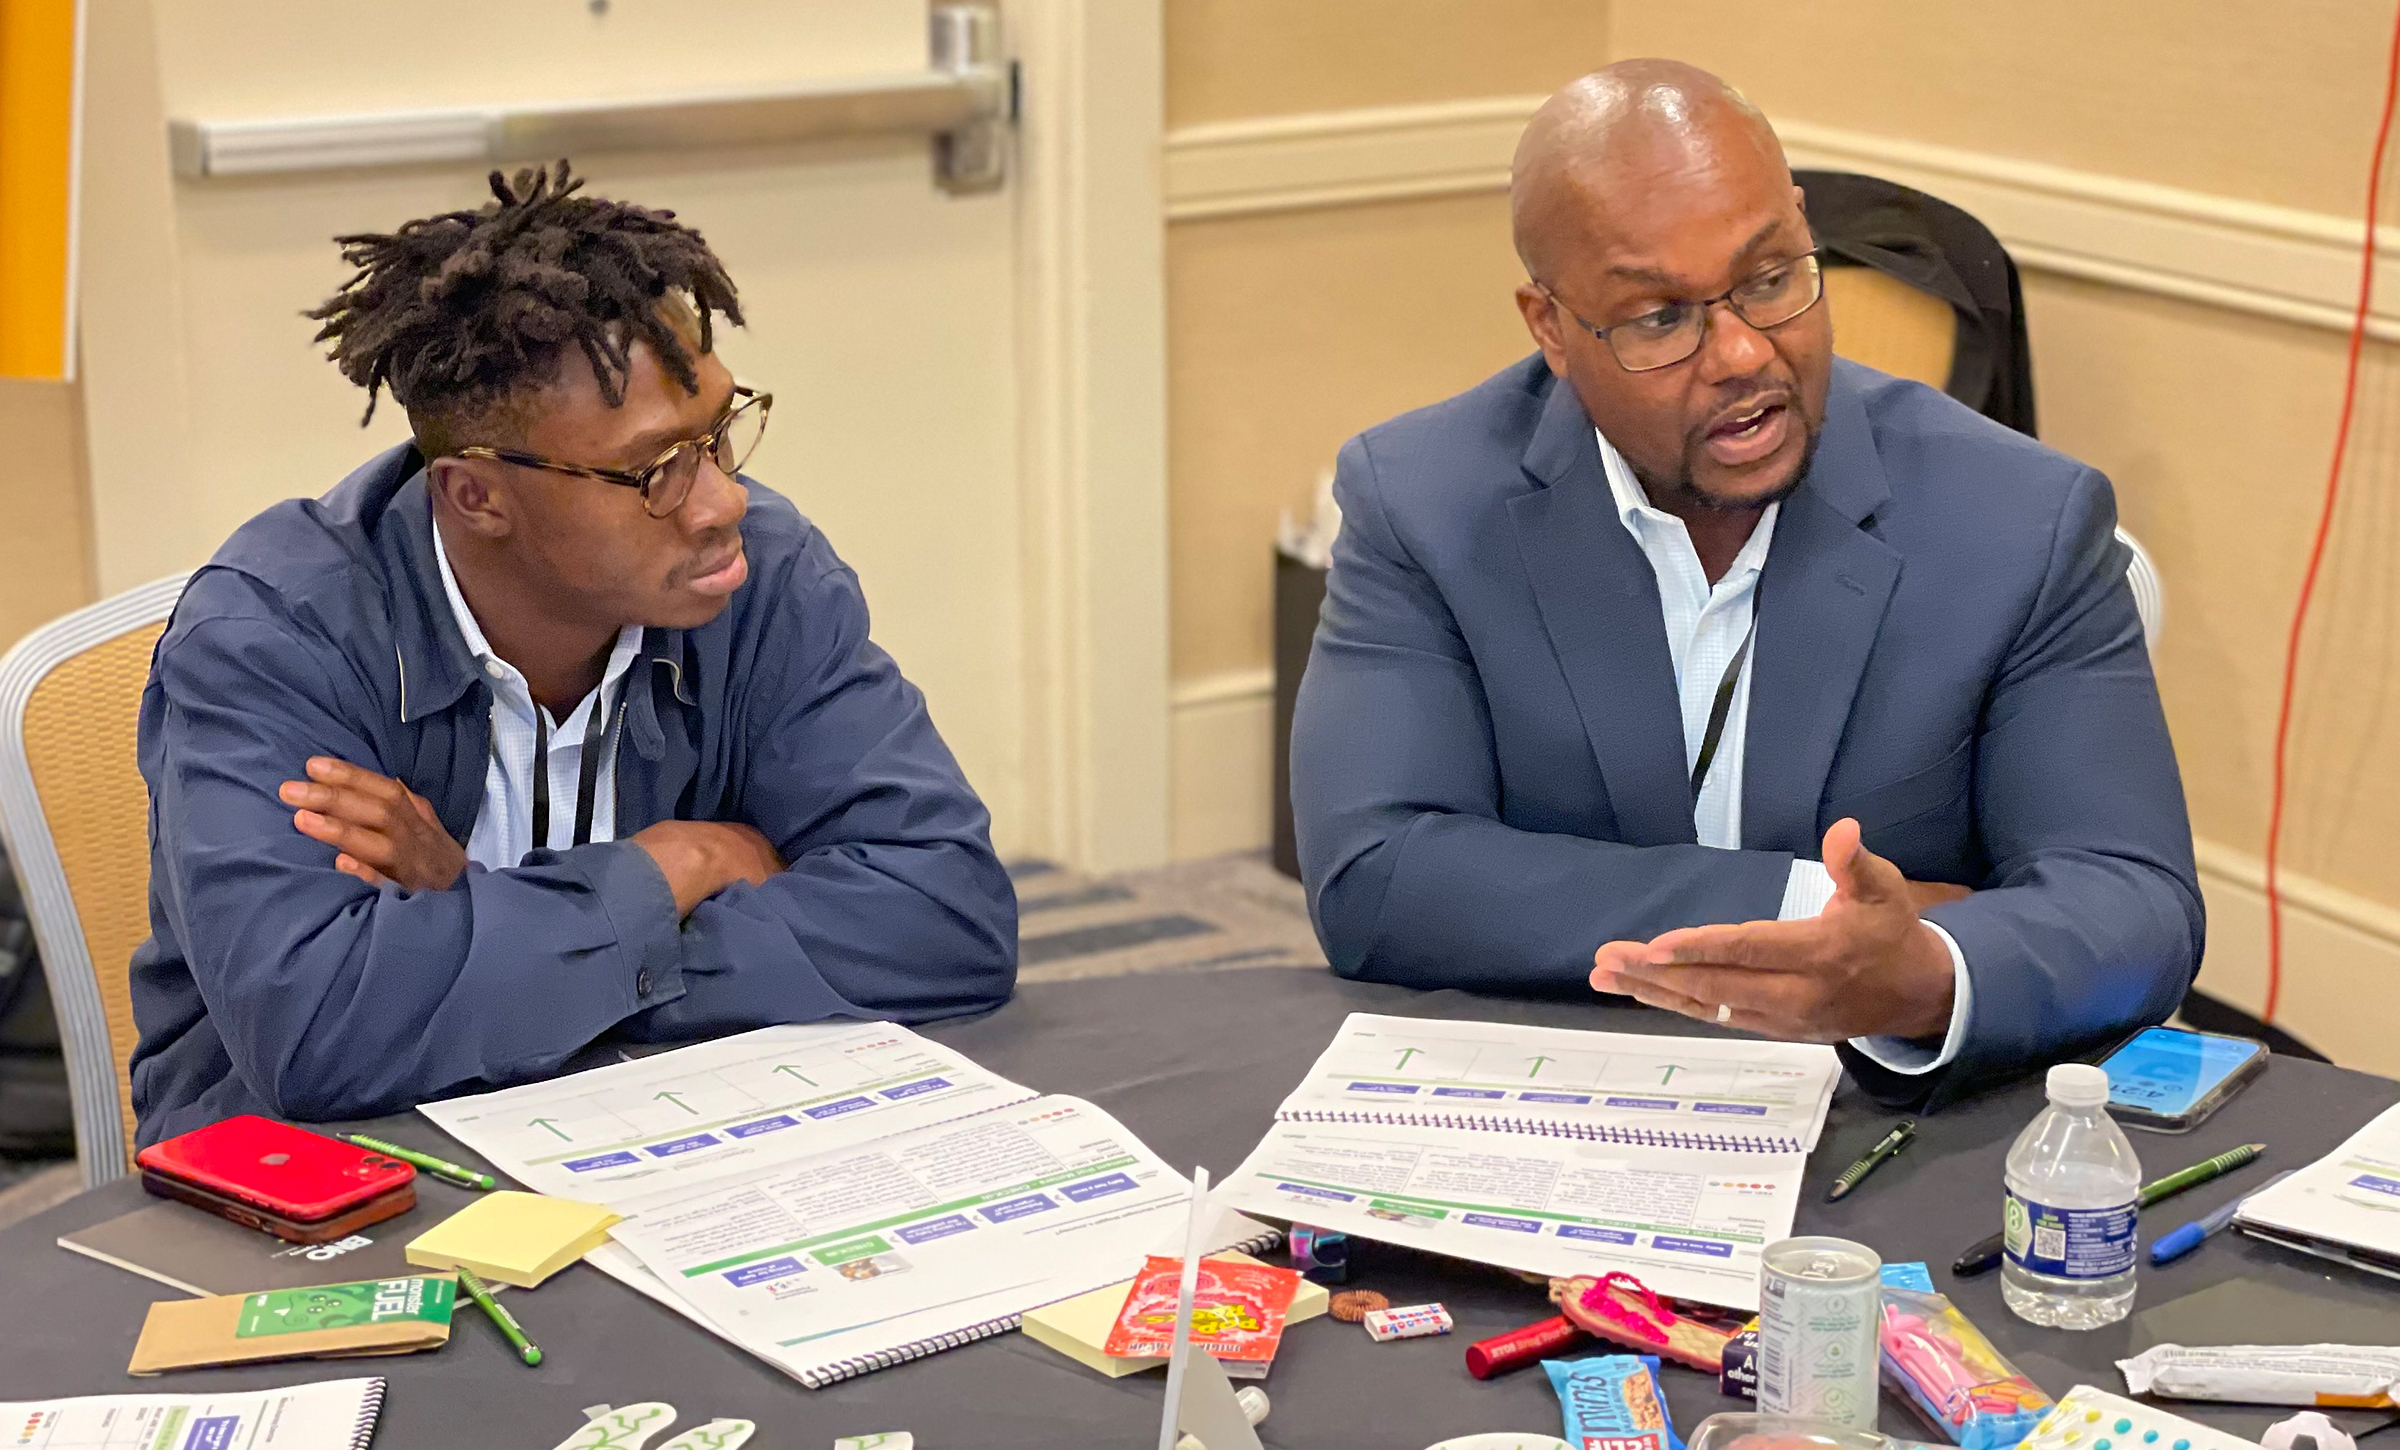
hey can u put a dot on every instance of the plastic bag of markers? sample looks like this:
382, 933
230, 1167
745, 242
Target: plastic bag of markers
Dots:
1953, 1375
1613, 1400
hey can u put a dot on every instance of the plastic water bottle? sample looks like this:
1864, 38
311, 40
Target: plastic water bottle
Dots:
2072, 1186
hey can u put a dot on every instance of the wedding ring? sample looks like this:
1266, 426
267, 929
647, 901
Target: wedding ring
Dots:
1724, 1012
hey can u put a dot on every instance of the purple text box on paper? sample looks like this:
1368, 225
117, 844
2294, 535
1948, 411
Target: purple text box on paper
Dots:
913, 1089
1383, 1087
674, 1146
2375, 1184
1097, 1187
1326, 1193
1018, 1207
604, 1160
1493, 1220
1468, 1093
213, 1433
1648, 1104
1554, 1097
763, 1125
1590, 1234
1676, 1245
771, 1270
835, 1110
1744, 1110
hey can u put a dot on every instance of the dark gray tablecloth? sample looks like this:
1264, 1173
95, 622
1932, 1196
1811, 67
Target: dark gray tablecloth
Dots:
1195, 1064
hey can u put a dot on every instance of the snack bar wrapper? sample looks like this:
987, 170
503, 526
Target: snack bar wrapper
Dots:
1954, 1375
2351, 1376
1612, 1401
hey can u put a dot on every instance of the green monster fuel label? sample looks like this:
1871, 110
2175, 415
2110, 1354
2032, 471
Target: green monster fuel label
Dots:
346, 1306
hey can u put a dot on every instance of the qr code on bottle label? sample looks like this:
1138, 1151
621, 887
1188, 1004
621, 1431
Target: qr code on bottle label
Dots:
2049, 1241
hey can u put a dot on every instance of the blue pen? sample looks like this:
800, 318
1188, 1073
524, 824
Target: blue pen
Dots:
2176, 1242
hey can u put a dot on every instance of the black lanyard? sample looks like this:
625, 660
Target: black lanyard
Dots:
599, 735
1722, 708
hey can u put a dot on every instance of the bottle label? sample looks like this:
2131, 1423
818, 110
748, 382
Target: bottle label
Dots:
2069, 1243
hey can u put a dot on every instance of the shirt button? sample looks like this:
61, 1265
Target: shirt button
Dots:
495, 669
641, 983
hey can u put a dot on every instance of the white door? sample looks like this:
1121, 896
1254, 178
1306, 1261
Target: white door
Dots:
968, 393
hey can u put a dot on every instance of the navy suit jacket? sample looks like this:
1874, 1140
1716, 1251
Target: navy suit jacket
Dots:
1488, 772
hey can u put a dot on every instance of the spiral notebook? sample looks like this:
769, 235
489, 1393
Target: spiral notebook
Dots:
1550, 1150
328, 1415
841, 1197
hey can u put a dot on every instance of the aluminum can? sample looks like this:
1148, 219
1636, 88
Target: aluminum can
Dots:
1820, 1309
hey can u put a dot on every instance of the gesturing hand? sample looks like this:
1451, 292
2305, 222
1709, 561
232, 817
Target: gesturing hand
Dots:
385, 833
1864, 967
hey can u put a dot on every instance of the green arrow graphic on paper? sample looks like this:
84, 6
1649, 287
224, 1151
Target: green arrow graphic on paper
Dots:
1405, 1054
804, 1077
1539, 1062
552, 1125
677, 1100
1672, 1069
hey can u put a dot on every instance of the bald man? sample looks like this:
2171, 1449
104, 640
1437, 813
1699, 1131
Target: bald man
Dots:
1689, 660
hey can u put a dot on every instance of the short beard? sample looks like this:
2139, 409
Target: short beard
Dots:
1680, 493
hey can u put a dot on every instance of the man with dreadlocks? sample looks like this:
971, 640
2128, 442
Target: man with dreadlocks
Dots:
543, 727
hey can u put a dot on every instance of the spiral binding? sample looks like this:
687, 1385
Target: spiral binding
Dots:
820, 1376
370, 1408
1601, 1132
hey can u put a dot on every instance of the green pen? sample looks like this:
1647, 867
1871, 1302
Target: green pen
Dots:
2200, 1173
439, 1168
507, 1322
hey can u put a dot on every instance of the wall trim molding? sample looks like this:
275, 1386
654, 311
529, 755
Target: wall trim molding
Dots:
2360, 914
2271, 261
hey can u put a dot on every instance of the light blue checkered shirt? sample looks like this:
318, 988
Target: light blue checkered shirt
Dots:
1705, 625
504, 827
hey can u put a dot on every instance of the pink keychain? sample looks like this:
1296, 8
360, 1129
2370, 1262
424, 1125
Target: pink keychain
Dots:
1621, 1308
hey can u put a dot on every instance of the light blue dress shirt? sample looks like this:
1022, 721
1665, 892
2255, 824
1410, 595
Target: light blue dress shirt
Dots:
504, 827
1705, 627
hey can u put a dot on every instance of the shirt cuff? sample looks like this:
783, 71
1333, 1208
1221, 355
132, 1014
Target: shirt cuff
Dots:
1806, 890
1912, 1058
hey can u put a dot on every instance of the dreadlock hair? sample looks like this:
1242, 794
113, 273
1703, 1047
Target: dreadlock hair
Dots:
455, 313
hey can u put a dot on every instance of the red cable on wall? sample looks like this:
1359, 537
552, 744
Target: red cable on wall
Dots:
2316, 549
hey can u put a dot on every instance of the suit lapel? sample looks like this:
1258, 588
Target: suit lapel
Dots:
1599, 603
1821, 601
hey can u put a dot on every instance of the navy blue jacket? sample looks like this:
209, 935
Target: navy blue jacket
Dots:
273, 983
1488, 770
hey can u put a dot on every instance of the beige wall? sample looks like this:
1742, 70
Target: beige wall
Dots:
1289, 332
2270, 102
45, 516
1231, 60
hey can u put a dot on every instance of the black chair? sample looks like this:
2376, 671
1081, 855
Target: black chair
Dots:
1925, 242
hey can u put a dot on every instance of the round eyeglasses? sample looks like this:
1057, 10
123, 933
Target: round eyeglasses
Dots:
667, 481
1665, 336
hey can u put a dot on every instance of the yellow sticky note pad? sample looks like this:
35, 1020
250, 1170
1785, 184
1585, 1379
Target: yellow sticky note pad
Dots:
513, 1238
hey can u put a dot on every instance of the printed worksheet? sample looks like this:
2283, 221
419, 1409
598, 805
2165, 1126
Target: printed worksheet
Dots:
2349, 1199
811, 1261
1688, 1223
329, 1415
1700, 1091
702, 1112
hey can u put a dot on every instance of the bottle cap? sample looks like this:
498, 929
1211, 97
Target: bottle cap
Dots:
2078, 1085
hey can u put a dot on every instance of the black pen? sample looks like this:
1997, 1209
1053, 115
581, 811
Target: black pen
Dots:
1892, 1143
1982, 1258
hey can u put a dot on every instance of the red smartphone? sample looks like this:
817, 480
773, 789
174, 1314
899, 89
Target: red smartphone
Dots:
293, 1183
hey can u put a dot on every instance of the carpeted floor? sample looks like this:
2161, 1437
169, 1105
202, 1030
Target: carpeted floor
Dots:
1225, 914
1198, 916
